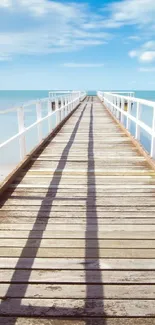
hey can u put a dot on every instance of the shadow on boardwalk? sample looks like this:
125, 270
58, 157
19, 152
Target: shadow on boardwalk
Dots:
9, 308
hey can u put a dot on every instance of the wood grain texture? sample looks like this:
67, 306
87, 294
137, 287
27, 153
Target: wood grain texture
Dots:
77, 229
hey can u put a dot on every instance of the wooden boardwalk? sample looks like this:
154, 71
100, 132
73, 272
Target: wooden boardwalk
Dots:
77, 230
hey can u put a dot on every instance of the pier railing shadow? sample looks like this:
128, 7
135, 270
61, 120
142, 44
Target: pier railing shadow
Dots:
39, 311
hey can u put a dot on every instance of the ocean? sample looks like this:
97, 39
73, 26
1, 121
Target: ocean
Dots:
10, 156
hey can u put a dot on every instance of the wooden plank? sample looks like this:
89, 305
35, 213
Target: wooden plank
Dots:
104, 201
56, 252
78, 234
78, 221
114, 187
76, 291
77, 209
78, 243
115, 213
76, 264
64, 194
49, 182
107, 172
74, 227
77, 276
78, 308
75, 321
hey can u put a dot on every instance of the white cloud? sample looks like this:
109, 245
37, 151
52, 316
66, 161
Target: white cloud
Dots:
51, 26
127, 12
134, 38
55, 26
133, 54
83, 65
5, 3
147, 56
139, 13
149, 45
146, 53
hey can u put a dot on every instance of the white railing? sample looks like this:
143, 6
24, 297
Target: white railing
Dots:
55, 93
124, 93
127, 110
58, 108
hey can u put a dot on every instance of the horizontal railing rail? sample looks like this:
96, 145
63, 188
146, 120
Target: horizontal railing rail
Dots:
55, 93
124, 93
58, 108
140, 112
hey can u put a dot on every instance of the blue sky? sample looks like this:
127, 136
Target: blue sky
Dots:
77, 44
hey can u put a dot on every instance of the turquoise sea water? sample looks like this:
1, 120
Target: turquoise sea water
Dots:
9, 126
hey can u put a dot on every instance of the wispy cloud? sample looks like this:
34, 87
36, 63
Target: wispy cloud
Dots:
5, 3
122, 13
146, 53
4, 57
131, 12
134, 38
83, 65
49, 27
43, 26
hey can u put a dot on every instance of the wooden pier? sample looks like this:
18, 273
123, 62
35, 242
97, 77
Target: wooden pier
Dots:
77, 229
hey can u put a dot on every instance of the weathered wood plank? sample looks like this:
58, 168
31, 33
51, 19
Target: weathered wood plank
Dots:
75, 321
101, 201
82, 228
78, 234
76, 291
56, 252
78, 308
79, 277
105, 213
79, 243
77, 209
77, 264
103, 172
83, 221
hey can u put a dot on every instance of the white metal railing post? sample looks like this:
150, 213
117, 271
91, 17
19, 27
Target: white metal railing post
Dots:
66, 105
70, 102
153, 135
75, 100
62, 109
65, 110
39, 116
137, 133
49, 113
128, 113
122, 109
57, 112
78, 97
117, 111
21, 128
